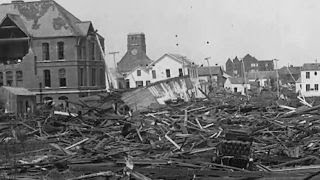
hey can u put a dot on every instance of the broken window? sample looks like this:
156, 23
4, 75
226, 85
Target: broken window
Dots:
154, 75
62, 78
14, 43
60, 50
47, 78
45, 51
147, 83
93, 77
9, 78
1, 79
168, 73
19, 78
235, 89
316, 87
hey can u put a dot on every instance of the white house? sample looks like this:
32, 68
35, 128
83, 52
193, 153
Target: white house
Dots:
172, 65
308, 84
138, 77
236, 85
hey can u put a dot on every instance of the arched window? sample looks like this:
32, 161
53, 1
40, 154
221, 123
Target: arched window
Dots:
19, 78
60, 50
47, 78
47, 100
62, 78
63, 98
9, 78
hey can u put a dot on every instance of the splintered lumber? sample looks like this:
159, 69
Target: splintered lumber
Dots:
102, 174
178, 140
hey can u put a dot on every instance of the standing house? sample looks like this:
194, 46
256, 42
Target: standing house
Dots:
17, 100
262, 78
49, 51
137, 77
215, 72
236, 85
170, 66
217, 79
308, 84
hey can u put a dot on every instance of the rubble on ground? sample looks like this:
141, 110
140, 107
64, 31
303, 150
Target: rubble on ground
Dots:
223, 136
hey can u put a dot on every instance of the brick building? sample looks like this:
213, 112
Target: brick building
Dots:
248, 63
136, 54
49, 51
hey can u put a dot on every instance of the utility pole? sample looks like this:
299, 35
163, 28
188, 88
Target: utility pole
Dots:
114, 58
278, 90
210, 74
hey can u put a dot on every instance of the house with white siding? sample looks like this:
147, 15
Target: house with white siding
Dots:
138, 77
236, 85
308, 84
172, 65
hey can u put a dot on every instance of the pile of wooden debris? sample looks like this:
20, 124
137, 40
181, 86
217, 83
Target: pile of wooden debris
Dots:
228, 138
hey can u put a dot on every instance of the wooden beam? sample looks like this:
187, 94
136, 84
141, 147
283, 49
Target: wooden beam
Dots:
14, 39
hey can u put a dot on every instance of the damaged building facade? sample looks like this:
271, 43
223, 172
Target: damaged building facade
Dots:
48, 51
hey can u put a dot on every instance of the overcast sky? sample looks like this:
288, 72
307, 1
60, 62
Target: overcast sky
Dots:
288, 30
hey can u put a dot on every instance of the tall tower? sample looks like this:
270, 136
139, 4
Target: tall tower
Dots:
135, 55
136, 42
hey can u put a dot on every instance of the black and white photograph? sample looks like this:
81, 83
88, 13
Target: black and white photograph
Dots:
159, 89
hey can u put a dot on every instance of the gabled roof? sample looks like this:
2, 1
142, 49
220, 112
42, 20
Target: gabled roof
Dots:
85, 27
179, 58
144, 68
290, 69
234, 80
130, 61
44, 18
17, 21
205, 71
310, 67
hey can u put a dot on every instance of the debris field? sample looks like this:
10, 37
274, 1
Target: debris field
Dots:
224, 136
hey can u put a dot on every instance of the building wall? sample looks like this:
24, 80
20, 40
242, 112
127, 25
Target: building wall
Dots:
167, 63
133, 77
33, 66
240, 87
312, 81
230, 67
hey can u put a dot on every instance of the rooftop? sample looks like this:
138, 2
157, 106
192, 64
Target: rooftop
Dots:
310, 66
44, 18
205, 71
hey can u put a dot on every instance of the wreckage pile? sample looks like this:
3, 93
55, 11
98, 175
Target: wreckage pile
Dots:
183, 140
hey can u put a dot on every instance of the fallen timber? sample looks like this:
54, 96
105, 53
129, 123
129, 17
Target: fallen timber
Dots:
181, 140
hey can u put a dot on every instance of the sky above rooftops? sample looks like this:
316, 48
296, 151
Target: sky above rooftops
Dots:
287, 30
